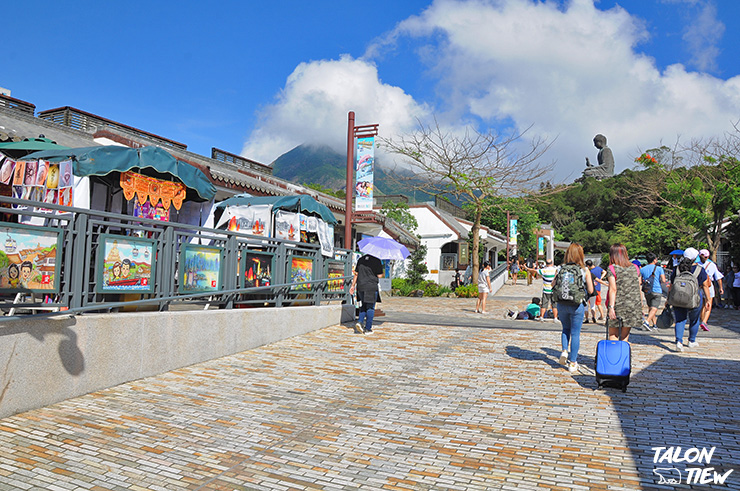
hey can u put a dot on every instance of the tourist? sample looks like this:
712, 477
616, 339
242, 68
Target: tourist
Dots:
654, 277
484, 287
714, 277
368, 270
624, 293
531, 311
572, 273
548, 274
691, 315
514, 268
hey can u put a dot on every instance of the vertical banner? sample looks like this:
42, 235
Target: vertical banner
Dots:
364, 173
512, 231
512, 237
540, 246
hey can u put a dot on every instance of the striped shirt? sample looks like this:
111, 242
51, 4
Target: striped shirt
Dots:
548, 274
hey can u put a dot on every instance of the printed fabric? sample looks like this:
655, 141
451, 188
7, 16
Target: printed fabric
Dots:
628, 304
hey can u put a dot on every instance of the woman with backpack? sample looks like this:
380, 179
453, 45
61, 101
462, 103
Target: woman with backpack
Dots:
624, 297
570, 288
683, 296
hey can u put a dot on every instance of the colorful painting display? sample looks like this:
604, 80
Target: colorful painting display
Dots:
301, 269
254, 220
257, 269
28, 260
48, 182
152, 212
125, 265
364, 173
287, 225
335, 270
200, 269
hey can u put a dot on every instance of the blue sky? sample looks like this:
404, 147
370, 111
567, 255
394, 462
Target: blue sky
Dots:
258, 78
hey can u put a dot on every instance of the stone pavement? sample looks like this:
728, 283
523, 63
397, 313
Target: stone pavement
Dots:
460, 401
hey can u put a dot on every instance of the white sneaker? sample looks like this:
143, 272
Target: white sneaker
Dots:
564, 358
679, 346
358, 328
693, 344
573, 366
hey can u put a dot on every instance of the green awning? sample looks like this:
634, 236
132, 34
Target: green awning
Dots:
19, 149
302, 203
150, 161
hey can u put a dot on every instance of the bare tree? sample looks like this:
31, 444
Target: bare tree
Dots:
472, 166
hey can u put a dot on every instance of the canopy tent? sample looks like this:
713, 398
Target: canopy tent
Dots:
151, 161
19, 149
301, 203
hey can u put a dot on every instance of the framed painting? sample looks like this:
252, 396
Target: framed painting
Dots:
335, 269
256, 268
29, 259
300, 269
125, 264
200, 269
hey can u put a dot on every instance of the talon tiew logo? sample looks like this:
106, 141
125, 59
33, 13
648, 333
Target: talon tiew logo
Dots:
695, 469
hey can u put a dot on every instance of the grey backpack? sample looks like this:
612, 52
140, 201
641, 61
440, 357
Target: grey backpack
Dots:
684, 291
569, 286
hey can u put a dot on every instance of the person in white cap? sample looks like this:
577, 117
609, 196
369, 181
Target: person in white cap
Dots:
714, 276
692, 315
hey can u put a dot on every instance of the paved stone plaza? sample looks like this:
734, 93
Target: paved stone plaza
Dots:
438, 398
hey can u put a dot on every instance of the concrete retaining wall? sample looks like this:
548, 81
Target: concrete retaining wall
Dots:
43, 361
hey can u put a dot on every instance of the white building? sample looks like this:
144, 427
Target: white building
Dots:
446, 238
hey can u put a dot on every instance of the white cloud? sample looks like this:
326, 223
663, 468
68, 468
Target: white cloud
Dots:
314, 104
702, 35
573, 71
567, 68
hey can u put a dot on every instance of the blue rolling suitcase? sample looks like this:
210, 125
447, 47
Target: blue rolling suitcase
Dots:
613, 361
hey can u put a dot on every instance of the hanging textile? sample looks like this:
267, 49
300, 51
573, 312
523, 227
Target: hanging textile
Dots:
148, 188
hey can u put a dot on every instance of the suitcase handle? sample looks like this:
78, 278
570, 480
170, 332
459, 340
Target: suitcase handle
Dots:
620, 324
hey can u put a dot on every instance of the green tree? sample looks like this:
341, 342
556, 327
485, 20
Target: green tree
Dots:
401, 214
471, 166
528, 220
417, 267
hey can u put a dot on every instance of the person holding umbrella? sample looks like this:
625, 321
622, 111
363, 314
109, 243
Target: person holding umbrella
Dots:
365, 282
367, 272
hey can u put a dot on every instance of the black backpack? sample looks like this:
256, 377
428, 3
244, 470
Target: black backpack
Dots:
647, 285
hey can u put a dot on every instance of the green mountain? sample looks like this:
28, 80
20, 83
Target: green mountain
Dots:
320, 164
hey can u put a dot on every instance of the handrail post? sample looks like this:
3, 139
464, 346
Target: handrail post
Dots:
231, 264
79, 264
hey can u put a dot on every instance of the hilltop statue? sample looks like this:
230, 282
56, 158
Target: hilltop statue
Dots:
605, 167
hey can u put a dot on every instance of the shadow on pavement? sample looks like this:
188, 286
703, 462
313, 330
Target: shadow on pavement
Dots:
681, 401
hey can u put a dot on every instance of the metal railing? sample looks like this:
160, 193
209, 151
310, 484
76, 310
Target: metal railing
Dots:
84, 235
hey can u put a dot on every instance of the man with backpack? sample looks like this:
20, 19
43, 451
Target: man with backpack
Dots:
689, 293
652, 277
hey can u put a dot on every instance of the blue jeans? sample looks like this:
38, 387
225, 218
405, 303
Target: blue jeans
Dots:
571, 317
367, 310
682, 315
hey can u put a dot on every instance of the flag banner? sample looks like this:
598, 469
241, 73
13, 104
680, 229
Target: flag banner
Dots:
364, 173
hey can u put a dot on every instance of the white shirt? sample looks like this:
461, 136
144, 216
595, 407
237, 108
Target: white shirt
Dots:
713, 273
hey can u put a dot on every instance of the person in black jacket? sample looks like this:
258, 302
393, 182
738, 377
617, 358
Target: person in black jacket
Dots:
365, 282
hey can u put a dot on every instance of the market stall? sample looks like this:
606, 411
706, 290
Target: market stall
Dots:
299, 218
146, 182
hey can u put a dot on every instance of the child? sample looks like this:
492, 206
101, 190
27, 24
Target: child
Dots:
531, 311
